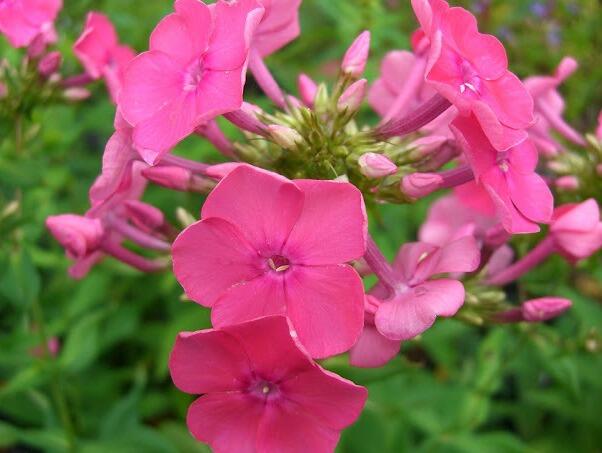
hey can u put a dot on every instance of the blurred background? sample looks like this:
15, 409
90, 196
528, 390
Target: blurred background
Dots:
459, 388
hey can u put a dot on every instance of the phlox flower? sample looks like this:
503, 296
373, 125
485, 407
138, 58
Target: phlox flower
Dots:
420, 298
576, 229
261, 392
98, 49
21, 21
194, 71
470, 69
506, 184
267, 245
278, 27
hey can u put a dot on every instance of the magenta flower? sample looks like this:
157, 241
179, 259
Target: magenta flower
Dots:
576, 229
470, 69
98, 49
536, 310
194, 71
267, 245
79, 235
419, 299
278, 27
508, 182
21, 21
261, 390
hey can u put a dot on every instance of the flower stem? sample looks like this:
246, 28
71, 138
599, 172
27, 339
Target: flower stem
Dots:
132, 259
212, 132
135, 235
380, 266
196, 167
246, 122
420, 117
409, 89
542, 251
265, 79
456, 176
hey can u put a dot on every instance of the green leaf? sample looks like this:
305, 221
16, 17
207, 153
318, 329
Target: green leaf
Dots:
21, 282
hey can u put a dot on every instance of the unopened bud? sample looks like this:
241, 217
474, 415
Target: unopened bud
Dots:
352, 98
418, 185
373, 165
37, 47
50, 64
543, 309
569, 183
354, 62
144, 215
307, 89
425, 146
293, 102
171, 177
285, 136
76, 94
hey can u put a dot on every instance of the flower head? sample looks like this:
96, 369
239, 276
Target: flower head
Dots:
194, 71
278, 27
267, 245
21, 21
261, 390
99, 51
577, 229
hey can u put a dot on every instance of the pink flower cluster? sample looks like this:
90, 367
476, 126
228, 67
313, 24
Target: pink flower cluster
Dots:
280, 260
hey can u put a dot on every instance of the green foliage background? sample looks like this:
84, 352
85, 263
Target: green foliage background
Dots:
457, 389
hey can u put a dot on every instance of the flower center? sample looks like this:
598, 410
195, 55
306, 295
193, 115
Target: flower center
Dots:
279, 263
471, 81
193, 76
504, 166
264, 389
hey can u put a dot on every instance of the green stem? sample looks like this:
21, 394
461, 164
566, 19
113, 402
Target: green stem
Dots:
55, 383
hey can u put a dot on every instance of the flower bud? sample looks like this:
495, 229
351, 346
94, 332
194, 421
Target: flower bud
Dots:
307, 89
293, 102
418, 185
37, 46
544, 309
144, 215
576, 229
373, 165
284, 136
354, 62
352, 98
50, 64
171, 177
426, 146
78, 235
76, 94
569, 183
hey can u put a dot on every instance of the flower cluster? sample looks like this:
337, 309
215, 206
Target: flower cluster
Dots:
282, 247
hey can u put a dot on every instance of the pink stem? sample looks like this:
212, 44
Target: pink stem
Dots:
212, 132
559, 124
137, 236
456, 177
380, 266
246, 122
131, 259
265, 79
542, 251
196, 167
420, 117
409, 89
509, 316
77, 81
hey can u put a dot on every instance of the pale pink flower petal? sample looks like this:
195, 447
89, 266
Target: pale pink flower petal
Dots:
23, 20
279, 26
373, 350
325, 305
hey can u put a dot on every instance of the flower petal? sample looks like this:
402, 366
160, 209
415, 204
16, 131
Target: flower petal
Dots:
373, 350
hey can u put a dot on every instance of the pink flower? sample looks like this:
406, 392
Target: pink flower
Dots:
267, 245
356, 57
577, 230
278, 27
79, 235
21, 21
549, 104
471, 70
544, 309
449, 219
506, 184
194, 71
374, 165
307, 89
99, 51
261, 390
419, 300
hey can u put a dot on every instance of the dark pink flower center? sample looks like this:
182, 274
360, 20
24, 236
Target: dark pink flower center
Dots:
471, 82
264, 390
279, 263
193, 76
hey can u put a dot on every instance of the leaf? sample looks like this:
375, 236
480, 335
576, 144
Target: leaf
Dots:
21, 282
81, 346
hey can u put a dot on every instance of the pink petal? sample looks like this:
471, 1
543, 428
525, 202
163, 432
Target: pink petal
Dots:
380, 97
531, 196
262, 296
172, 37
475, 196
326, 306
332, 227
373, 350
395, 69
228, 422
501, 258
510, 101
286, 427
413, 312
210, 256
219, 92
523, 157
208, 361
477, 148
95, 44
150, 81
234, 25
408, 257
272, 351
500, 135
578, 218
264, 205
279, 26
331, 399
198, 23
461, 255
